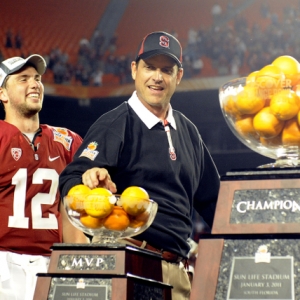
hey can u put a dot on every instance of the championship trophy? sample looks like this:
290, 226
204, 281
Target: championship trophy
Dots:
253, 250
106, 269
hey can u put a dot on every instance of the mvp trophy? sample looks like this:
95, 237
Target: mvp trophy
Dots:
253, 251
106, 269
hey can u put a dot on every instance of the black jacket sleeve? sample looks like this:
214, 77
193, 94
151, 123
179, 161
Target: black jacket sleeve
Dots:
207, 194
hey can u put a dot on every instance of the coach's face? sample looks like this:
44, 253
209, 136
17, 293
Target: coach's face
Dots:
156, 79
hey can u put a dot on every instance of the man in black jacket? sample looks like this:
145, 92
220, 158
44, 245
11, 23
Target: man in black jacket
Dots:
145, 143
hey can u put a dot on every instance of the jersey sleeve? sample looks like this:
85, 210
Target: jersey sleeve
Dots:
77, 141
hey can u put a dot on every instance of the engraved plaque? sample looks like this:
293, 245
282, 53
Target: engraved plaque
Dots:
90, 272
235, 268
73, 259
266, 206
258, 206
87, 261
261, 280
80, 291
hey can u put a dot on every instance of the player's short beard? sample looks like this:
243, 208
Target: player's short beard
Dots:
27, 111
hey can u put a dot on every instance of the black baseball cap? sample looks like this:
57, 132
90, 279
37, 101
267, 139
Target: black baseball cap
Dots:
14, 64
160, 42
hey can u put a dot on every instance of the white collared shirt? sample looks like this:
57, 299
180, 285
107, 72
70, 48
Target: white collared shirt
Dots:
147, 116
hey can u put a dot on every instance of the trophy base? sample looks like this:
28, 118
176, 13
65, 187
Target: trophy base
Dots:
258, 201
283, 162
234, 267
120, 272
53, 286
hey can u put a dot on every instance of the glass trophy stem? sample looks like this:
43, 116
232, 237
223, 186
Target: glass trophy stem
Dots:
288, 159
283, 162
107, 238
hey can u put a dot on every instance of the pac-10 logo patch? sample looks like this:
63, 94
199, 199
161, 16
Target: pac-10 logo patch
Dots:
16, 153
164, 41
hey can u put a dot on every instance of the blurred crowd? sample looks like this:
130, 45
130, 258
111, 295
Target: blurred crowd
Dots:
230, 46
91, 64
236, 48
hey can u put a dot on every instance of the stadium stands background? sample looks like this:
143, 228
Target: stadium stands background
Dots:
252, 31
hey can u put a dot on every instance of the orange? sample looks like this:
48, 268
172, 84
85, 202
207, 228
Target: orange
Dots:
99, 203
248, 101
250, 79
268, 80
298, 117
291, 133
117, 220
139, 221
91, 222
266, 124
296, 89
134, 200
78, 194
244, 127
290, 67
285, 104
230, 108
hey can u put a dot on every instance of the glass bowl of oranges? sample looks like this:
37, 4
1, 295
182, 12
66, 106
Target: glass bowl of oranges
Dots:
109, 217
263, 111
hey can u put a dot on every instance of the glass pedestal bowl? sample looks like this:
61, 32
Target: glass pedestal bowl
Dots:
108, 219
246, 108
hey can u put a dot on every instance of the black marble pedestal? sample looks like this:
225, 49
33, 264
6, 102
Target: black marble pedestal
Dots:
264, 201
90, 272
253, 251
236, 267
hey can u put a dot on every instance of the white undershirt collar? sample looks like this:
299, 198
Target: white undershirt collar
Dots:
146, 116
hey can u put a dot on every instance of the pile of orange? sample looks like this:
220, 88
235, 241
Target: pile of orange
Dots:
98, 207
267, 109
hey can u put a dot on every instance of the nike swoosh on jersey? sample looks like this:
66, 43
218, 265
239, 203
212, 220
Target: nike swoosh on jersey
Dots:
53, 158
